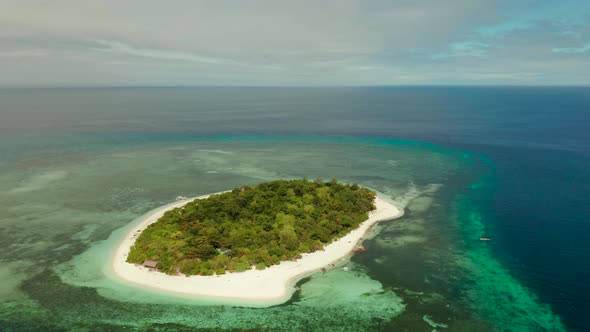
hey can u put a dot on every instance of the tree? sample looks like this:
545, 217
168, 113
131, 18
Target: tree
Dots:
205, 251
252, 226
289, 237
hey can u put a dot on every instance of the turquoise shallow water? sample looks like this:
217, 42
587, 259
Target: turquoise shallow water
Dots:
63, 209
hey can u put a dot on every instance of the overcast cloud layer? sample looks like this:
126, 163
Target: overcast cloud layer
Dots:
342, 42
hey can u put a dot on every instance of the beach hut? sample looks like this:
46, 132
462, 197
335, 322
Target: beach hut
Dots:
150, 264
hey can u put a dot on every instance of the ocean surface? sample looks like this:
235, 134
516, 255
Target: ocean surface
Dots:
78, 166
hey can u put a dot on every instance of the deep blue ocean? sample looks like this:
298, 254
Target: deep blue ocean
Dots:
532, 146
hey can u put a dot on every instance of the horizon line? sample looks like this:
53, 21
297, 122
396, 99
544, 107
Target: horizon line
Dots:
296, 86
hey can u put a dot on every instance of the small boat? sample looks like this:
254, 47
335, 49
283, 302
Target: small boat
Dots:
360, 249
346, 269
181, 198
485, 239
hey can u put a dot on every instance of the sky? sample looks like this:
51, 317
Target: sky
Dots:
294, 43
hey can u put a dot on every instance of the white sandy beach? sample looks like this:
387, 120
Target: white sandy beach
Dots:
273, 285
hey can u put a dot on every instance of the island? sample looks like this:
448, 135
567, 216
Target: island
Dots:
251, 244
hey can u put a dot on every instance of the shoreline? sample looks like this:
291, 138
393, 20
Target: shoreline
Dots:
271, 286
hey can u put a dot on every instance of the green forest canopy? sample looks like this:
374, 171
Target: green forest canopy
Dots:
257, 226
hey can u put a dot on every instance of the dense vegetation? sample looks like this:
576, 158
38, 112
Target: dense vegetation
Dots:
252, 226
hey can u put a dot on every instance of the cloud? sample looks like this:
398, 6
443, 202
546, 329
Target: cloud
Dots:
122, 48
464, 49
572, 50
292, 31
23, 53
332, 42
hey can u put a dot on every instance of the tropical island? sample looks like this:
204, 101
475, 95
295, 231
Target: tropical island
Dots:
249, 245
256, 226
